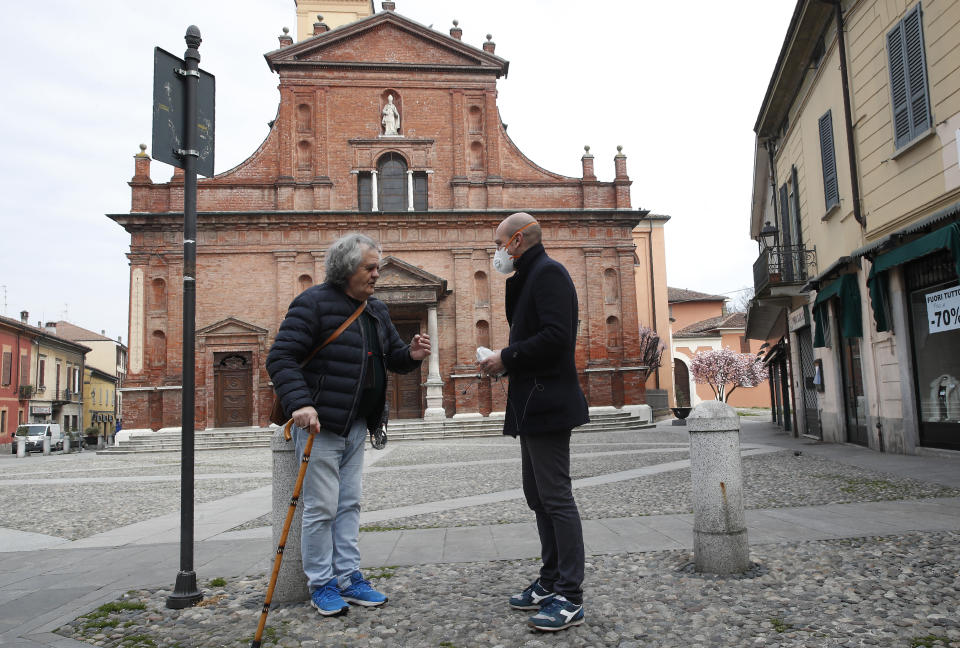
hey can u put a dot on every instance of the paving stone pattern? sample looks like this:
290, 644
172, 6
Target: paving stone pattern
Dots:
891, 591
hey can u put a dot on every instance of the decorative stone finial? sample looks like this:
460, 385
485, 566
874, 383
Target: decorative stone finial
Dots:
143, 149
489, 36
587, 149
619, 149
319, 18
455, 31
456, 22
286, 30
489, 46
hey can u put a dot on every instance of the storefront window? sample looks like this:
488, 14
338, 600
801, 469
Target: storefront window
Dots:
935, 322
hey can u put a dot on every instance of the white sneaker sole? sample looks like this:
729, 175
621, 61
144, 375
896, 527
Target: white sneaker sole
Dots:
552, 629
342, 610
364, 603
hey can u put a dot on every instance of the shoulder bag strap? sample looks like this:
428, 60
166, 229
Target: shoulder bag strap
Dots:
335, 334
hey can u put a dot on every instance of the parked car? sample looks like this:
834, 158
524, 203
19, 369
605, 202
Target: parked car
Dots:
35, 433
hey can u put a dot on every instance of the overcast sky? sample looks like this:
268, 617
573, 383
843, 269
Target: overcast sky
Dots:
677, 84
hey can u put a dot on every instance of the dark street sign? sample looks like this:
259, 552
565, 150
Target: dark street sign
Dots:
169, 121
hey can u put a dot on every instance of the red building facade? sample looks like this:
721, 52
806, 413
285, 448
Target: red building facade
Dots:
392, 129
16, 352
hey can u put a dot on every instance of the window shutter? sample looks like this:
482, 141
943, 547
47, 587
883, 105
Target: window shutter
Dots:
7, 366
797, 235
910, 97
364, 192
420, 191
786, 238
918, 95
24, 369
828, 159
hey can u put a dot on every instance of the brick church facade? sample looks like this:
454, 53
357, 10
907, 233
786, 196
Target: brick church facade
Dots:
392, 129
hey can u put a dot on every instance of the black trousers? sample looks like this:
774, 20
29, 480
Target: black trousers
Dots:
547, 488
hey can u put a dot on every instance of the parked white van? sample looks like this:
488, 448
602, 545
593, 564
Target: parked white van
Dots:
35, 433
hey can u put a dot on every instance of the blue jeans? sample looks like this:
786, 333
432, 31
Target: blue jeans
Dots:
332, 486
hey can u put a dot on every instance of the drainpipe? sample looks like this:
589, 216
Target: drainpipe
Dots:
848, 119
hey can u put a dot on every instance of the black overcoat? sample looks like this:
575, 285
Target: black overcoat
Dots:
544, 394
332, 381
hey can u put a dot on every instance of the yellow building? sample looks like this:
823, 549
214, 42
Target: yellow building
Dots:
856, 203
99, 403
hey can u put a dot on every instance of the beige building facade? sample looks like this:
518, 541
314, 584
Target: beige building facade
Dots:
856, 202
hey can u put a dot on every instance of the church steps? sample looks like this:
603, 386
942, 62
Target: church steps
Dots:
406, 429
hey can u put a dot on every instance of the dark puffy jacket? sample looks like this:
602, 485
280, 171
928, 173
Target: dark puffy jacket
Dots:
544, 395
332, 381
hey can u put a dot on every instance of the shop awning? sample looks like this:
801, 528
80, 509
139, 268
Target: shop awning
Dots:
946, 238
846, 289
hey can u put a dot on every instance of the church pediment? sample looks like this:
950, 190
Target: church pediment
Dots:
402, 282
233, 327
386, 39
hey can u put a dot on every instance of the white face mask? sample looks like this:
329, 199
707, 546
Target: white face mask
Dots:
503, 262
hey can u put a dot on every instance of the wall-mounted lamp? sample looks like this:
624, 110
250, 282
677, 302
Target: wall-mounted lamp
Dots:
768, 235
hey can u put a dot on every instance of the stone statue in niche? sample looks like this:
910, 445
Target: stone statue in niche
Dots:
391, 118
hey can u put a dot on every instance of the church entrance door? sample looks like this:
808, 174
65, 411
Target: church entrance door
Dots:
233, 381
403, 391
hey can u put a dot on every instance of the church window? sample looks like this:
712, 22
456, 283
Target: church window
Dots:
420, 191
365, 191
392, 183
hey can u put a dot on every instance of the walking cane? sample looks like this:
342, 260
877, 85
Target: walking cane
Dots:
283, 535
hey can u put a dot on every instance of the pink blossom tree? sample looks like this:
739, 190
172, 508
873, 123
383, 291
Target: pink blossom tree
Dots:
722, 367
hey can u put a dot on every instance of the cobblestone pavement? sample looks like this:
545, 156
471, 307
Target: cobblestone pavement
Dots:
891, 591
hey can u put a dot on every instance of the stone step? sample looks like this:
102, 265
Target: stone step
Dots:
405, 429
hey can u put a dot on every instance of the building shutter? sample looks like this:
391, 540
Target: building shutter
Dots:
7, 367
797, 232
828, 159
24, 369
786, 236
910, 97
364, 192
420, 191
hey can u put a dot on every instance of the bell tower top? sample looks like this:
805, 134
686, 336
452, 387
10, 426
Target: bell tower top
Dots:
336, 13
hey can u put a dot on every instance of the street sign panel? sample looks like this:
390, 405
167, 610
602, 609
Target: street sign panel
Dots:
169, 121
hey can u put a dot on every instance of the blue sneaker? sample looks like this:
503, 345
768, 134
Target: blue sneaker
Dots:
558, 614
532, 598
360, 592
327, 599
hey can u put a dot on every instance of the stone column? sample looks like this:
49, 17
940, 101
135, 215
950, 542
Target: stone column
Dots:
66, 444
719, 527
373, 188
21, 447
46, 446
409, 190
434, 383
291, 581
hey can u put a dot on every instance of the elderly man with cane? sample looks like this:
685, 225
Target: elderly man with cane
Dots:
544, 404
338, 396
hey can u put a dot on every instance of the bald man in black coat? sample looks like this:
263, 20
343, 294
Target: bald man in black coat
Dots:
544, 404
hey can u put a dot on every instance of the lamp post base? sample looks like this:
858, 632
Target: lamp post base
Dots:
185, 592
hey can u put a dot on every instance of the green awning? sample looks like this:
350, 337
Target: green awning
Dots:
945, 238
846, 289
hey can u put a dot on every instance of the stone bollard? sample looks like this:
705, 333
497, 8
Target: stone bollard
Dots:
66, 444
719, 527
46, 446
291, 581
100, 443
21, 447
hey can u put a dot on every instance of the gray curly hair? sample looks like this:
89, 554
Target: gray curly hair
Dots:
344, 256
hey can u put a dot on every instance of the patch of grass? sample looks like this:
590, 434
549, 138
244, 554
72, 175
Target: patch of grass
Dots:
447, 644
138, 641
779, 625
373, 528
115, 606
928, 641
217, 582
99, 624
380, 572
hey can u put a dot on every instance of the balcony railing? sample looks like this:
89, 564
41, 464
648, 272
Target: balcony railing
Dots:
781, 265
26, 392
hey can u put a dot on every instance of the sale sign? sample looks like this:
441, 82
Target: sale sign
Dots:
943, 309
